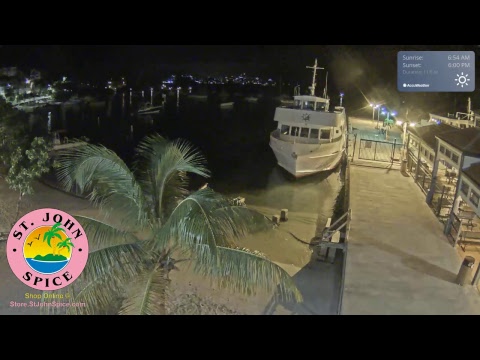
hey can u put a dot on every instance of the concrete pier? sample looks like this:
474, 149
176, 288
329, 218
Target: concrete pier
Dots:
398, 259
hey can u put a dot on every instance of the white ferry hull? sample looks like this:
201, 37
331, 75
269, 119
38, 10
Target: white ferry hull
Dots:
317, 158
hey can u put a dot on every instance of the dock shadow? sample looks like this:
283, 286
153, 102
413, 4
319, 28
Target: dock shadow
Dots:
320, 286
416, 263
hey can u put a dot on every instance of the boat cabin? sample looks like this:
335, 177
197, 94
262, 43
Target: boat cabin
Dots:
312, 103
309, 121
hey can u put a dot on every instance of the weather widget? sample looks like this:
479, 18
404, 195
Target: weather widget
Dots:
436, 71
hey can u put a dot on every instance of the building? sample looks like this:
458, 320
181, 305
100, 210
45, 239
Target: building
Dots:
8, 71
453, 188
421, 148
35, 75
459, 119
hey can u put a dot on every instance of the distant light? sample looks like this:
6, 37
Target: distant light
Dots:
371, 105
383, 113
341, 94
412, 124
399, 122
393, 113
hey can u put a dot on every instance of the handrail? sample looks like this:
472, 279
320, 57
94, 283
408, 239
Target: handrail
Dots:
336, 222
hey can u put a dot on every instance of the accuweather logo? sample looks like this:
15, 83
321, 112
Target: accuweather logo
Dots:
47, 249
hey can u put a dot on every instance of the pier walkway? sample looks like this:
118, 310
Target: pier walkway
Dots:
398, 259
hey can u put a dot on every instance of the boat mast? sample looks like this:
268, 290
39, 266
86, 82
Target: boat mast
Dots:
315, 68
326, 84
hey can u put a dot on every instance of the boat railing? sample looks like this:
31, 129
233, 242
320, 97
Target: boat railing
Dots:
297, 107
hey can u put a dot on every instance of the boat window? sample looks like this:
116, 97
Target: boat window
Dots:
325, 134
295, 131
285, 130
304, 132
314, 133
308, 105
337, 131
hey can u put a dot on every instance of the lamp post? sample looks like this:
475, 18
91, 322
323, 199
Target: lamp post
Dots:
151, 96
378, 118
373, 111
341, 98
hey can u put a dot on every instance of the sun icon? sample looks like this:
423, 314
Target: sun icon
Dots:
462, 79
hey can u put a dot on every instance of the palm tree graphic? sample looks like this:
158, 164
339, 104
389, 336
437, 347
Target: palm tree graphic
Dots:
51, 234
65, 244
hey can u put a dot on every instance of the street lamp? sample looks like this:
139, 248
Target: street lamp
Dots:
341, 98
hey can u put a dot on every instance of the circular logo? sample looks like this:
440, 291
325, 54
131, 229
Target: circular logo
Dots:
47, 249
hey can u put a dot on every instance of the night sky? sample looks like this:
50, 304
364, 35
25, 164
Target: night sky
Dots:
354, 69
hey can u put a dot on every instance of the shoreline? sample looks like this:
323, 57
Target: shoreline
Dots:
280, 247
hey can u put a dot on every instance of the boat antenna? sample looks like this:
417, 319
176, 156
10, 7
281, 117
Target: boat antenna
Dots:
315, 68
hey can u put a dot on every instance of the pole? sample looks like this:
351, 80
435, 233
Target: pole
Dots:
404, 142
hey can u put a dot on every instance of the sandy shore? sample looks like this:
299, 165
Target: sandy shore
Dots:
189, 293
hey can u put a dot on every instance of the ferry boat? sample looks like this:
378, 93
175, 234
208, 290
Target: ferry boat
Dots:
309, 138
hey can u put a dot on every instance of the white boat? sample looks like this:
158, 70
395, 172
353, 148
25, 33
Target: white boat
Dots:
310, 138
148, 109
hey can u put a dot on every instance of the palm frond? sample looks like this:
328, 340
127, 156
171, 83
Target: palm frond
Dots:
100, 234
109, 183
245, 272
162, 166
147, 294
206, 217
105, 275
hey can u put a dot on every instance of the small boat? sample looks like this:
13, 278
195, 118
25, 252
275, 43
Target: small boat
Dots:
309, 138
148, 109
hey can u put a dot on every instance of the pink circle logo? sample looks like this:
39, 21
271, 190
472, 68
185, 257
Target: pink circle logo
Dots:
47, 249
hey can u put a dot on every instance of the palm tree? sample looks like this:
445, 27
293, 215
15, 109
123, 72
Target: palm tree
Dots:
156, 218
51, 234
65, 244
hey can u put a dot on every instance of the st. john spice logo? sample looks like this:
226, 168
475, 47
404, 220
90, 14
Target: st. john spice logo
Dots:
47, 249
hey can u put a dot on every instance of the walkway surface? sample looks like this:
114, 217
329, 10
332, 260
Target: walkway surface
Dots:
398, 260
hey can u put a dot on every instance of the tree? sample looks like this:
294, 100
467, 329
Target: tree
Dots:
66, 244
156, 218
49, 235
25, 165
